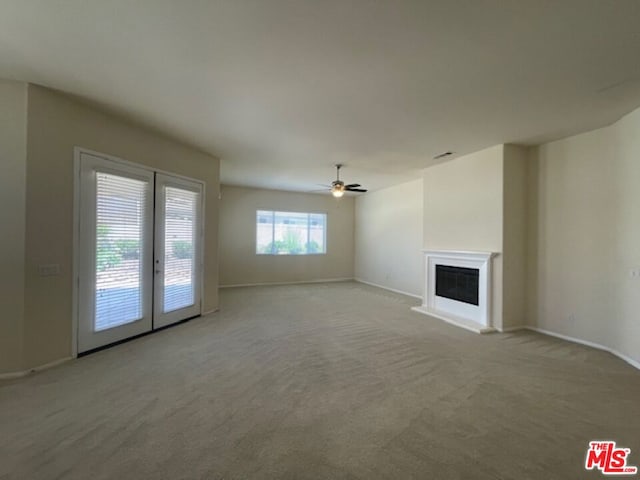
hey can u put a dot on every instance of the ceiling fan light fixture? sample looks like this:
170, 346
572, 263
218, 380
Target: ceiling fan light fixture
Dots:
337, 191
338, 187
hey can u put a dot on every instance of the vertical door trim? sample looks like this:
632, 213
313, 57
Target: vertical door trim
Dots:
75, 268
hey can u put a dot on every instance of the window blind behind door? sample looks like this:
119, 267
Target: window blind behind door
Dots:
180, 230
120, 212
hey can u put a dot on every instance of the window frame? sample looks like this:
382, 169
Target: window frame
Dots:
273, 213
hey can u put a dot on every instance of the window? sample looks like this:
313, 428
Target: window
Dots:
290, 233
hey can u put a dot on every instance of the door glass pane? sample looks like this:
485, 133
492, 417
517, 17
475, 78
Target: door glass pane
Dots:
120, 212
179, 243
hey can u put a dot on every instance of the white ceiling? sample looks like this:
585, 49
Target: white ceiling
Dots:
282, 90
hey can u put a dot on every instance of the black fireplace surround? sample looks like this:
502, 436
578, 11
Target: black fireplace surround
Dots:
458, 283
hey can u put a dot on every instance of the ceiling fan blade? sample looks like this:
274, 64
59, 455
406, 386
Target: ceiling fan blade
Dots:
352, 185
323, 185
355, 189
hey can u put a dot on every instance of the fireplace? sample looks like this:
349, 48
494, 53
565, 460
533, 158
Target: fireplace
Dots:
457, 283
458, 288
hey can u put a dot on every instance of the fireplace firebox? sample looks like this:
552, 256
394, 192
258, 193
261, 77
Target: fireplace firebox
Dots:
458, 283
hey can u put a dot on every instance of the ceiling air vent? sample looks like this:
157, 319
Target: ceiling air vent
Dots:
442, 155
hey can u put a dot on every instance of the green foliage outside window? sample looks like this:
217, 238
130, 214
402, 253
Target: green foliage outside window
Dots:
128, 249
106, 253
182, 249
313, 247
292, 244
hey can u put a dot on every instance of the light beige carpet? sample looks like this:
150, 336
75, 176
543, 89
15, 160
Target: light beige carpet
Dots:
320, 381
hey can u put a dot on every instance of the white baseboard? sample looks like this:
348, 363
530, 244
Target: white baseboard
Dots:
512, 329
394, 290
39, 368
209, 312
299, 282
629, 360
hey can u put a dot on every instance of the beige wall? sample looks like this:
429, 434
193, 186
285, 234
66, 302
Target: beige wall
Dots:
514, 236
585, 226
388, 238
239, 264
463, 210
56, 124
13, 156
463, 202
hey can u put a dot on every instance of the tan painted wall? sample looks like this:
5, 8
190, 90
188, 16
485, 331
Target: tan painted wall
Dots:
239, 264
463, 210
388, 237
514, 241
13, 157
585, 226
56, 124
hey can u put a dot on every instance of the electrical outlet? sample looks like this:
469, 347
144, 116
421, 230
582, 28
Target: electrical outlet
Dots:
635, 272
49, 270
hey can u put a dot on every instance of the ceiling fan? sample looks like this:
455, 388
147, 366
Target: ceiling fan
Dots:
338, 187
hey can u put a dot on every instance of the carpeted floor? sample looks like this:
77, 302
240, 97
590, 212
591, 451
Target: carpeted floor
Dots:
320, 381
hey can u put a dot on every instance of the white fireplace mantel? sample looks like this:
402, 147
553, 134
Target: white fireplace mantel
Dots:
476, 318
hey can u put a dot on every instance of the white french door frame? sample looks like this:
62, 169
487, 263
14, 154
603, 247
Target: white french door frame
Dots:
77, 154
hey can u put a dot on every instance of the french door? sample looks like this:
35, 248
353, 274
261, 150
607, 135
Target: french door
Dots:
177, 279
139, 260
